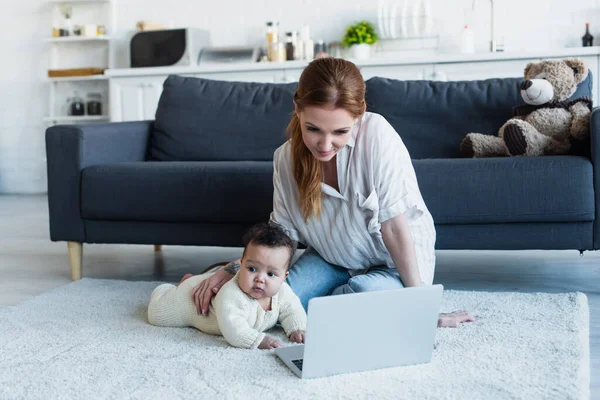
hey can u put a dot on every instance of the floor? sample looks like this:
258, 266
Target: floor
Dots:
31, 264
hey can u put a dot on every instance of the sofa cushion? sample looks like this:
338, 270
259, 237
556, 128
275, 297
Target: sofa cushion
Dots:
505, 190
203, 120
456, 191
220, 192
433, 117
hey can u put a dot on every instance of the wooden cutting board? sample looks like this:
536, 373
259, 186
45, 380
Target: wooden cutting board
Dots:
56, 73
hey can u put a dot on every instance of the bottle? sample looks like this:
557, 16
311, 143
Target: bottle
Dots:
273, 51
308, 45
295, 40
278, 51
309, 49
299, 48
68, 22
467, 44
587, 39
272, 37
289, 46
68, 26
281, 52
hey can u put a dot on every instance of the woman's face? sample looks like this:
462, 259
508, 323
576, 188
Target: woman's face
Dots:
325, 131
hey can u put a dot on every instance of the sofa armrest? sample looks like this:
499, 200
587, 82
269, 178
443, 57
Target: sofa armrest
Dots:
71, 148
595, 154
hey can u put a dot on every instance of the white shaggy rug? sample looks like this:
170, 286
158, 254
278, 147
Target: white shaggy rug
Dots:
90, 339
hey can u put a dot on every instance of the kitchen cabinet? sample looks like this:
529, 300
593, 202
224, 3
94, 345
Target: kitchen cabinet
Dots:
499, 69
400, 72
269, 76
134, 95
470, 71
134, 99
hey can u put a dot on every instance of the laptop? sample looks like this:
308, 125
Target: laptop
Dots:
366, 331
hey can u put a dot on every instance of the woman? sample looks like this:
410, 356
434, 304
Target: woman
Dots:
344, 185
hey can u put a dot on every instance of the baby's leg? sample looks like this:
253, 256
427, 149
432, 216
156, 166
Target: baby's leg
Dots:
172, 305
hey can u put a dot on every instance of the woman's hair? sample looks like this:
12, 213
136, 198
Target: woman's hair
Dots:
269, 235
329, 83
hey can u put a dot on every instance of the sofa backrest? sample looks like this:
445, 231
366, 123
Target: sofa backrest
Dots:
433, 117
206, 120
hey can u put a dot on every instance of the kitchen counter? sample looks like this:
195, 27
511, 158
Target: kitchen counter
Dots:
135, 92
377, 60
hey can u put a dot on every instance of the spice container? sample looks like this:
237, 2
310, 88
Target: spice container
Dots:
94, 104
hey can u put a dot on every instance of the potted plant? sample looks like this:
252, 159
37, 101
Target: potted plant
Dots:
359, 37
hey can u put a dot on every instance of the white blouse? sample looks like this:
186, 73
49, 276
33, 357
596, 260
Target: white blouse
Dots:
377, 182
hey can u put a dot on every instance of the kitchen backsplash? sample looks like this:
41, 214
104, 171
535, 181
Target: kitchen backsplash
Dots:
524, 25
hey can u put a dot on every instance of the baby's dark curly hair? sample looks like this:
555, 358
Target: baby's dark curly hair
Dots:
270, 235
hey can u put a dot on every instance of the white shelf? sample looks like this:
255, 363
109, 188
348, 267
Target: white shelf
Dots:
70, 51
72, 39
76, 118
79, 78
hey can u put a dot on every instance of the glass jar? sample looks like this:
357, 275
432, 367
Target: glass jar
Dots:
278, 53
94, 104
272, 37
320, 49
335, 49
77, 107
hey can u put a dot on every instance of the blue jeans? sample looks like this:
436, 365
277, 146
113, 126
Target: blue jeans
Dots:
311, 276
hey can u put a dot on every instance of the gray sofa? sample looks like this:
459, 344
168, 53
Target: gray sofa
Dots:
200, 173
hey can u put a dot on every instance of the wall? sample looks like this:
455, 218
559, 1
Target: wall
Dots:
524, 25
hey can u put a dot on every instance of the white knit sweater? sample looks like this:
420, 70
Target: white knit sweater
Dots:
232, 313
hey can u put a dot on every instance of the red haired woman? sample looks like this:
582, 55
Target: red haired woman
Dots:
345, 187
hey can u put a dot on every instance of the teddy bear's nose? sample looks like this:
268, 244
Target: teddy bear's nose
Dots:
526, 84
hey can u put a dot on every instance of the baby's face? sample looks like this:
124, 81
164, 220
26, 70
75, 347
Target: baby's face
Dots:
263, 270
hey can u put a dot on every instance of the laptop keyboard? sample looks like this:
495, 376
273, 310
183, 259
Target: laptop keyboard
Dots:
298, 363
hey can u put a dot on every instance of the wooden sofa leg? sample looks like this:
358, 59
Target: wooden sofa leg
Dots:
158, 247
75, 259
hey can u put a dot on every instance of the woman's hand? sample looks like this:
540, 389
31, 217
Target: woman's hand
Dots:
269, 342
298, 336
207, 289
454, 319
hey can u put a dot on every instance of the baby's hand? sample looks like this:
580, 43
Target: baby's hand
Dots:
297, 336
269, 342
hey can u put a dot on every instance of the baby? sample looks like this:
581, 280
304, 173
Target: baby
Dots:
246, 306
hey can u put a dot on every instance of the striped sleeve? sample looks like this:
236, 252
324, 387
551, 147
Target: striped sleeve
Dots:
394, 176
280, 215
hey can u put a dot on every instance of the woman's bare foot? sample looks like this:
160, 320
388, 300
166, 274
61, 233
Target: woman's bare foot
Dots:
454, 319
184, 278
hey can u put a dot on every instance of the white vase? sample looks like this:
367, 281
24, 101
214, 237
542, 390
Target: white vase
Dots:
361, 51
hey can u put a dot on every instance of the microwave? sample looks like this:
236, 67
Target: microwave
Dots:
168, 47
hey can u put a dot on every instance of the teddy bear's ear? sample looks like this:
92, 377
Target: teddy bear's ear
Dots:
527, 69
578, 67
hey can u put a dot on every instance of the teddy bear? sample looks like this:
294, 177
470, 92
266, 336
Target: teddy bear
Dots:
549, 123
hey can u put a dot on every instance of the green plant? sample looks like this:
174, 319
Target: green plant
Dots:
361, 32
